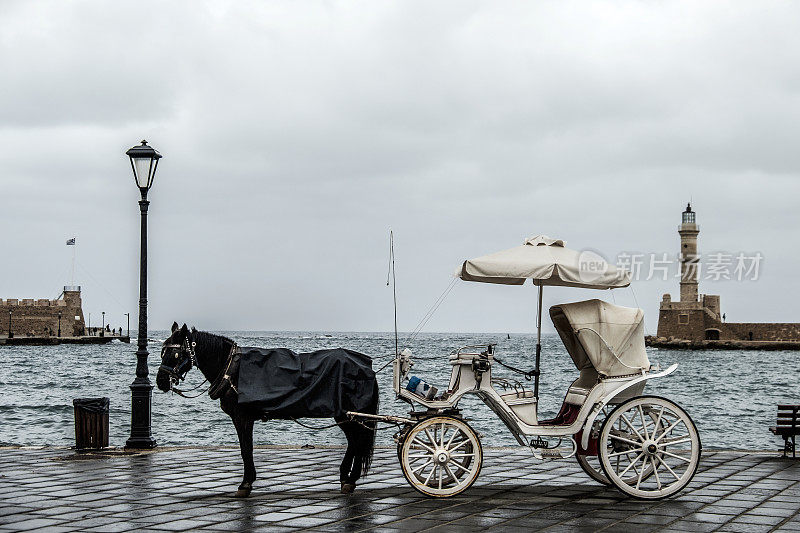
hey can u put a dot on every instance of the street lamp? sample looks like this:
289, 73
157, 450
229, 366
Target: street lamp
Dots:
59, 323
10, 333
103, 329
129, 325
144, 161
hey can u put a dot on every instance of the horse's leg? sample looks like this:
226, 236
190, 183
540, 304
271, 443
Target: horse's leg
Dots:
359, 449
244, 429
360, 445
348, 461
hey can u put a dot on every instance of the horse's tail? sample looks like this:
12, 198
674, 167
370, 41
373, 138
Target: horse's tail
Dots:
368, 429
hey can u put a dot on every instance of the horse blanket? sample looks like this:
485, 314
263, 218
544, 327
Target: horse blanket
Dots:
278, 383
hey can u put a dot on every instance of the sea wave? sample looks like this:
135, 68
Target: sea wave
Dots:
731, 395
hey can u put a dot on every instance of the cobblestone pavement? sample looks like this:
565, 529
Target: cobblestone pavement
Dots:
181, 489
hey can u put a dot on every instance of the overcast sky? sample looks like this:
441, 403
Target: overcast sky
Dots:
296, 134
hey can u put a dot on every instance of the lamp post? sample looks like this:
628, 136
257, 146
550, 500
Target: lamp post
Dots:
144, 161
129, 325
10, 333
103, 328
59, 323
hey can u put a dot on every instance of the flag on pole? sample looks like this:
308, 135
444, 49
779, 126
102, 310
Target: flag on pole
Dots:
71, 242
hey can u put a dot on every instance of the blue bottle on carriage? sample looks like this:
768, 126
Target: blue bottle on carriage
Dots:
420, 388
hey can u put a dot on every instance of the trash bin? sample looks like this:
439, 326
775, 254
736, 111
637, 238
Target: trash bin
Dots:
91, 423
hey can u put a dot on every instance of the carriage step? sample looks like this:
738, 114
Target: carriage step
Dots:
551, 454
545, 453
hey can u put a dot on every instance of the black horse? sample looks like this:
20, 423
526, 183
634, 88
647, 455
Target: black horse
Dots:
212, 354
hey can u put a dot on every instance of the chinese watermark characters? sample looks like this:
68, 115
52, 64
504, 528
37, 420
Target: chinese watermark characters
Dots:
716, 266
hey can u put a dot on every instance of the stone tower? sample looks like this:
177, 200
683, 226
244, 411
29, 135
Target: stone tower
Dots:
72, 297
690, 261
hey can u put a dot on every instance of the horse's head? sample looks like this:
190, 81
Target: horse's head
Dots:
177, 357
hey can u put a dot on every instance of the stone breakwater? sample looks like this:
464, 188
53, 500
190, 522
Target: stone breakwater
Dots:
55, 341
188, 489
683, 344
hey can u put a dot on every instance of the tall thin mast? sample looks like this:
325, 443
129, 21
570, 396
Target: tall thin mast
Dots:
394, 290
72, 276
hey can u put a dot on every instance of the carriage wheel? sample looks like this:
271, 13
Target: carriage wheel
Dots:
441, 456
649, 432
401, 438
591, 463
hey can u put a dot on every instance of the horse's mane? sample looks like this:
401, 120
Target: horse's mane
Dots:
213, 346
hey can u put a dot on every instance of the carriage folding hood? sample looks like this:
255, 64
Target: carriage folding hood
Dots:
603, 337
544, 261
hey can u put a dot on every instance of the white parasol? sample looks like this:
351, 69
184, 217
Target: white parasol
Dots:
544, 261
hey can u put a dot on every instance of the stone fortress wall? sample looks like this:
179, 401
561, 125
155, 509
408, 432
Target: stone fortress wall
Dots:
699, 324
698, 317
40, 318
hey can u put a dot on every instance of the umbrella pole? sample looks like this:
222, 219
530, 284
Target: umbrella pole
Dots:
538, 344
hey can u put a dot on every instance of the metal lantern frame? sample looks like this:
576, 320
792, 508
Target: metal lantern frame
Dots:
143, 153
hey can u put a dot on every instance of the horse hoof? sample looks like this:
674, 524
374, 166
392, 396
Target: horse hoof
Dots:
348, 488
242, 493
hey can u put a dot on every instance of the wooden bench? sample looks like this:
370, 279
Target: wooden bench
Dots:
788, 427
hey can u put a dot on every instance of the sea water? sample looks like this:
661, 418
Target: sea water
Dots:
731, 395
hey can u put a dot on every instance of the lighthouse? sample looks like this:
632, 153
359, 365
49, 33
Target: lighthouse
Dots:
690, 261
694, 316
695, 321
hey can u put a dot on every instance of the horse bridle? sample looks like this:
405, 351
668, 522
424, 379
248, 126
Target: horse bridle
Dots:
178, 372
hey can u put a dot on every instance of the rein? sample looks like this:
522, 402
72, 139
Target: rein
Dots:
181, 392
528, 374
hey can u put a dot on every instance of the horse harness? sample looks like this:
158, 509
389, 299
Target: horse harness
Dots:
225, 380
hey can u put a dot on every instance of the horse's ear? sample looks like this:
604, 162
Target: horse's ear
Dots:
194, 330
174, 327
184, 329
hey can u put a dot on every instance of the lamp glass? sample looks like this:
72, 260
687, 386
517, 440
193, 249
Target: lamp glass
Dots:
143, 166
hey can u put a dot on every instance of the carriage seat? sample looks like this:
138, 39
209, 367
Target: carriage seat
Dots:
574, 400
580, 388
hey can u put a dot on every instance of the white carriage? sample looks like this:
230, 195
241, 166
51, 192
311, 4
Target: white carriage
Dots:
646, 446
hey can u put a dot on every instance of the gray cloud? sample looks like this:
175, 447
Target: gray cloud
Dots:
296, 135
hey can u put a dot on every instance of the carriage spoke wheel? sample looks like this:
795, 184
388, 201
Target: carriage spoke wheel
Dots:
649, 447
441, 456
591, 463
